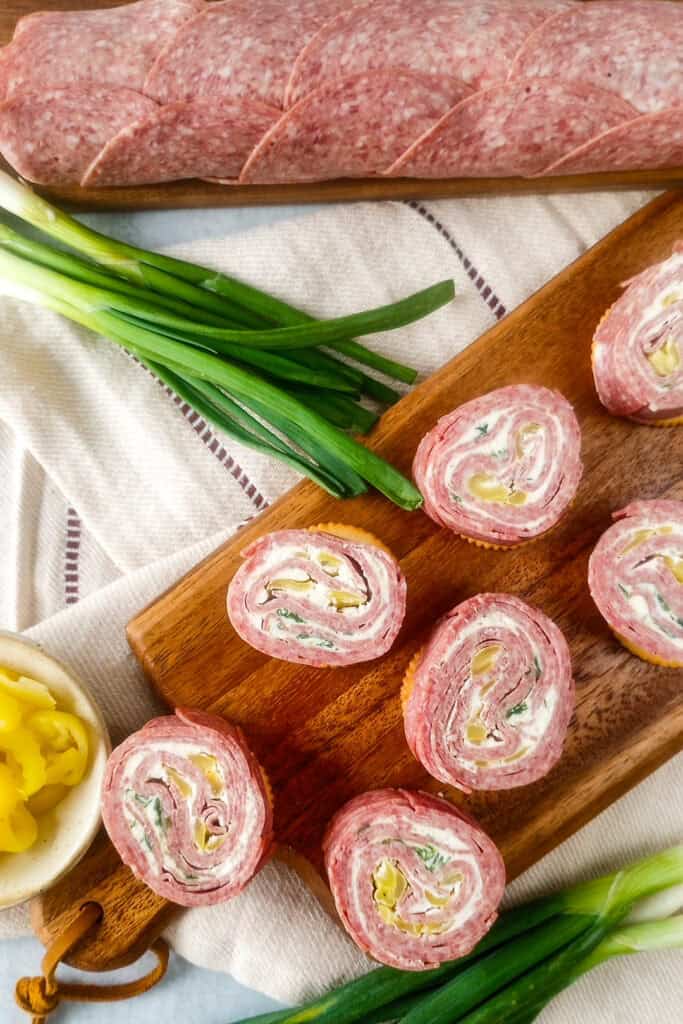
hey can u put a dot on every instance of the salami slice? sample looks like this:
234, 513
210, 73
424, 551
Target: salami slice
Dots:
472, 41
638, 347
503, 468
188, 808
51, 136
654, 141
352, 127
238, 48
635, 575
328, 596
112, 46
512, 129
182, 140
415, 881
631, 47
488, 701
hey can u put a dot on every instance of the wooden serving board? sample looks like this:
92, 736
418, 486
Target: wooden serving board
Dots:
196, 194
324, 735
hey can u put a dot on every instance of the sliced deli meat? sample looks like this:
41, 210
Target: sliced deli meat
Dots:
352, 127
182, 140
503, 468
488, 700
635, 575
657, 138
328, 596
630, 47
513, 129
415, 881
475, 42
238, 48
188, 808
638, 346
51, 136
112, 46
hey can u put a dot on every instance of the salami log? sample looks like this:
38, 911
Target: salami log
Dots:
332, 595
512, 129
182, 140
188, 808
621, 148
115, 46
238, 48
630, 47
635, 575
488, 700
51, 136
352, 127
638, 347
476, 42
503, 468
415, 881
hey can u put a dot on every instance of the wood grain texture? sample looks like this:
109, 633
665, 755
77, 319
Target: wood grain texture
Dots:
324, 735
199, 194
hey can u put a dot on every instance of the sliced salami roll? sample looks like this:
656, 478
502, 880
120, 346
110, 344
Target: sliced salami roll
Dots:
512, 129
635, 575
488, 701
655, 140
503, 468
332, 595
51, 136
415, 881
475, 42
352, 127
238, 48
630, 47
112, 46
188, 808
182, 140
638, 347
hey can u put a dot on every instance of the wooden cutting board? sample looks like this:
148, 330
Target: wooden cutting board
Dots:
196, 194
324, 735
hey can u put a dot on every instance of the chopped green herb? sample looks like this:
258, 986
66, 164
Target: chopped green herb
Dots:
160, 819
518, 709
624, 590
319, 641
483, 429
668, 609
286, 614
537, 665
430, 857
502, 453
144, 801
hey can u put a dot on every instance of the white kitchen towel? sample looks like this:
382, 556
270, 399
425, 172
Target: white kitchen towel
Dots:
110, 489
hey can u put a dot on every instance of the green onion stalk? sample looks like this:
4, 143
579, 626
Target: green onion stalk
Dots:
530, 954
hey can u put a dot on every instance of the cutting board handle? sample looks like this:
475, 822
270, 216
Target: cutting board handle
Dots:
133, 916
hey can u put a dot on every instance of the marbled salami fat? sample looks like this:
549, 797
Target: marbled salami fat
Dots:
635, 575
513, 129
638, 346
352, 127
488, 700
51, 136
415, 881
327, 596
182, 140
655, 139
238, 48
503, 468
113, 46
630, 47
187, 807
475, 42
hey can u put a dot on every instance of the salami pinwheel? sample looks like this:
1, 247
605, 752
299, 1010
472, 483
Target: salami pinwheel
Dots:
415, 881
332, 595
635, 575
488, 700
638, 347
503, 468
188, 808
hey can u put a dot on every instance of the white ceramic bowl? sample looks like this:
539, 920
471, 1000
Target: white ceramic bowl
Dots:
66, 832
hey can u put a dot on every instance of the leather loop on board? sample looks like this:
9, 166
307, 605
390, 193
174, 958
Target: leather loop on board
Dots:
40, 996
